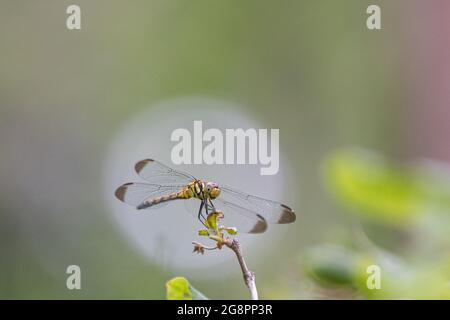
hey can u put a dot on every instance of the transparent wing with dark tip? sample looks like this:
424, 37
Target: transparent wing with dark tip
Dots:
135, 193
240, 218
271, 211
243, 219
157, 173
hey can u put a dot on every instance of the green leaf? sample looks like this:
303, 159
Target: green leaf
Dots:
330, 265
178, 288
433, 182
373, 187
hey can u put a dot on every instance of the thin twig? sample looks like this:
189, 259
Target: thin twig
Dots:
216, 233
249, 276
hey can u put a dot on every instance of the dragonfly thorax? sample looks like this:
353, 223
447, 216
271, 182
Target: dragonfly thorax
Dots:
204, 190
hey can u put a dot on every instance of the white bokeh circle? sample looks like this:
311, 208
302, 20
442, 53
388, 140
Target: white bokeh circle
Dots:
164, 235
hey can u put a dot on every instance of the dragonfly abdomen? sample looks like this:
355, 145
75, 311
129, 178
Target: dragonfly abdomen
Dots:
154, 201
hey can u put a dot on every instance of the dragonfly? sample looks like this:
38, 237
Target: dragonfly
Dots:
165, 185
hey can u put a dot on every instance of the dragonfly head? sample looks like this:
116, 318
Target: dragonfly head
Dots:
213, 189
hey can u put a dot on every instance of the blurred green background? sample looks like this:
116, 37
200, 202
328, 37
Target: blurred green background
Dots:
358, 112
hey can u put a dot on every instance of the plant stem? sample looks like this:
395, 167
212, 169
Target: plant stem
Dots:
249, 276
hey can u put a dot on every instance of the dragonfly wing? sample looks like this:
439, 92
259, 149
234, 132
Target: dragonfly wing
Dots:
192, 206
157, 173
243, 219
271, 211
136, 193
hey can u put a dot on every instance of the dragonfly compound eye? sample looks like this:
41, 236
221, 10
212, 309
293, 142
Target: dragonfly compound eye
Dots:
215, 192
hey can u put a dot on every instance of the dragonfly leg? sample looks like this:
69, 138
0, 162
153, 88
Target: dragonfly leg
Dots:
205, 205
200, 214
212, 205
